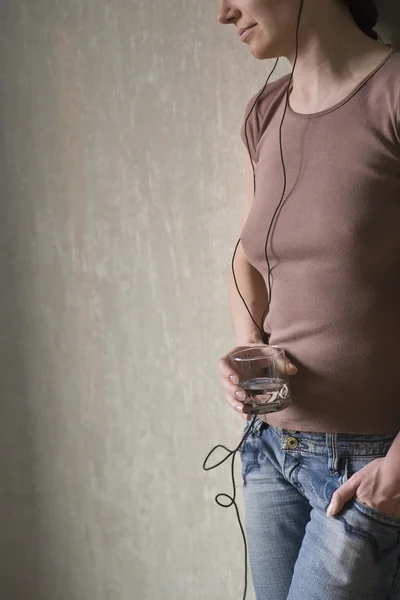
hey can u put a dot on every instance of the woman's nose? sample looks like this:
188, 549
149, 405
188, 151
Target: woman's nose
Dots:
226, 13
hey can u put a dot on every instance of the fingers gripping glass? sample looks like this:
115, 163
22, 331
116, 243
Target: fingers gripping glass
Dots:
263, 376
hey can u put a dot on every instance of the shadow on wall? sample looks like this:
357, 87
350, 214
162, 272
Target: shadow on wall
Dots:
19, 535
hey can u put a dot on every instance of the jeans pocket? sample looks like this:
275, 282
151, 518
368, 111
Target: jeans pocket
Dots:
247, 426
364, 524
250, 447
353, 466
245, 434
255, 424
375, 514
249, 452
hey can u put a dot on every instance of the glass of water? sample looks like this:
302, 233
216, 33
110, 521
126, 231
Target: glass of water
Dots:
263, 376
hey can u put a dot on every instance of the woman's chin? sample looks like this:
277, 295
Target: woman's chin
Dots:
263, 51
260, 52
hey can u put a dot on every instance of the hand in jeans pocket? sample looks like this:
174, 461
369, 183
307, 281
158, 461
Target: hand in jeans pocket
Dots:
374, 485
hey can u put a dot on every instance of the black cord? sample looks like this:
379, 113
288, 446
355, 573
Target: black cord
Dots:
232, 499
283, 166
260, 329
265, 334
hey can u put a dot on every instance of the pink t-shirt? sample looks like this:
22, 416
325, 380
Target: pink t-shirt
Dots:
334, 251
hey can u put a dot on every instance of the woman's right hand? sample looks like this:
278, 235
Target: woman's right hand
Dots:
229, 380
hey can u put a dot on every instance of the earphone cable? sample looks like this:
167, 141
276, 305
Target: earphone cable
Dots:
232, 499
265, 335
283, 167
261, 329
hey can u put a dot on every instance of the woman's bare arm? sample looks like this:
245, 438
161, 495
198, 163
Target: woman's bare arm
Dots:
250, 281
254, 291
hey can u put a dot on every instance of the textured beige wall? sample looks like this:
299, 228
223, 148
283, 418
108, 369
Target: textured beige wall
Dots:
121, 186
121, 178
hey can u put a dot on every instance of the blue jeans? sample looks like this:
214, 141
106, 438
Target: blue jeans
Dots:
296, 552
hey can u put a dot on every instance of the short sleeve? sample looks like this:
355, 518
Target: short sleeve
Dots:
251, 126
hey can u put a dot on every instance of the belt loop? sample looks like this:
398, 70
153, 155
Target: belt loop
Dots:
333, 453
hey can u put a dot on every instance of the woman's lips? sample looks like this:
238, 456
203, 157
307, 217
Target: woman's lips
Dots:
244, 33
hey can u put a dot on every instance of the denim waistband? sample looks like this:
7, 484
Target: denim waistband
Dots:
335, 444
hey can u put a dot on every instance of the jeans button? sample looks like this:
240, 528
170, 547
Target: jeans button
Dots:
292, 442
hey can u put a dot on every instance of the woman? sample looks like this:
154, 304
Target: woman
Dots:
334, 254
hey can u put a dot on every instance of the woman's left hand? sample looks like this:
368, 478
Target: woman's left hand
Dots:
375, 485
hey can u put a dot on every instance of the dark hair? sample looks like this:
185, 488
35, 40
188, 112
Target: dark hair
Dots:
365, 14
